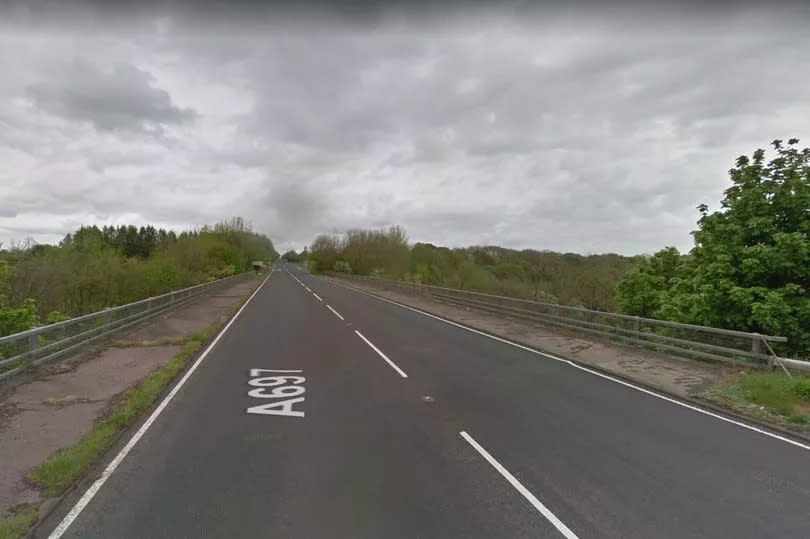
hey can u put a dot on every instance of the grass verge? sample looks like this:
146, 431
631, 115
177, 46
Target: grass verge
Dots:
19, 521
769, 396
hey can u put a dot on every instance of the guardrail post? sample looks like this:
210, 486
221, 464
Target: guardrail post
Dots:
33, 343
756, 348
636, 324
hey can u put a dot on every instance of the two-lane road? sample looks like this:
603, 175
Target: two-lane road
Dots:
325, 412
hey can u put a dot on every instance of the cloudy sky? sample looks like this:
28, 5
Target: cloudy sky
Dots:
573, 129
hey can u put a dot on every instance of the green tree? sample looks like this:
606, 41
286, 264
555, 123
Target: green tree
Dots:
14, 320
640, 292
750, 267
324, 252
291, 256
5, 276
19, 319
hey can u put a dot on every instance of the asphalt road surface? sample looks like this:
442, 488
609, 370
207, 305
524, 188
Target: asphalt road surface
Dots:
323, 412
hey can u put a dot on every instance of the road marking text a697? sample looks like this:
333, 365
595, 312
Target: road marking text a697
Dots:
277, 384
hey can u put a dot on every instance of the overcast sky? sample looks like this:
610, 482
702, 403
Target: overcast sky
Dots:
575, 130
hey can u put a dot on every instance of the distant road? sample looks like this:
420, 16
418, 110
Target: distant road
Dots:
323, 412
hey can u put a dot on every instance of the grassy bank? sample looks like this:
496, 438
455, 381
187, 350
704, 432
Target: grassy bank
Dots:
768, 396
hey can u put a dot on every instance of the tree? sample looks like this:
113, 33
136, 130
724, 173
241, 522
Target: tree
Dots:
5, 276
750, 267
14, 320
128, 239
291, 256
324, 253
88, 238
640, 292
376, 251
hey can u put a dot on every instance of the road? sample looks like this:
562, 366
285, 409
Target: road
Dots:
397, 424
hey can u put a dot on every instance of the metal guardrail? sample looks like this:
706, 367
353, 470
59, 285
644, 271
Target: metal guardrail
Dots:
45, 343
689, 340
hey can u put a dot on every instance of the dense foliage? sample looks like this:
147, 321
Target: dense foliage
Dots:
94, 268
568, 278
750, 267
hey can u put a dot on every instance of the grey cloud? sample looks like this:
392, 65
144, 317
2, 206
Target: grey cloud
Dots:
122, 98
7, 210
541, 132
295, 210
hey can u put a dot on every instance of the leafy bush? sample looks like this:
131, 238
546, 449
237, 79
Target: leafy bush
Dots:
56, 316
801, 388
15, 320
341, 266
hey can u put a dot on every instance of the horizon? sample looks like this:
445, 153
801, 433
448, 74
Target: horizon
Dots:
11, 245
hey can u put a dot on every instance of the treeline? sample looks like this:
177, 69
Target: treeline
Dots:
93, 268
126, 239
750, 267
565, 278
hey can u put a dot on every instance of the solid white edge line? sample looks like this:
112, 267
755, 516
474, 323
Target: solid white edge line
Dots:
334, 311
591, 371
108, 471
317, 296
393, 365
545, 511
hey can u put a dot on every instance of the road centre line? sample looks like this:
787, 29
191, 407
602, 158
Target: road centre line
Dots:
591, 371
545, 511
294, 277
317, 296
334, 311
111, 467
393, 365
